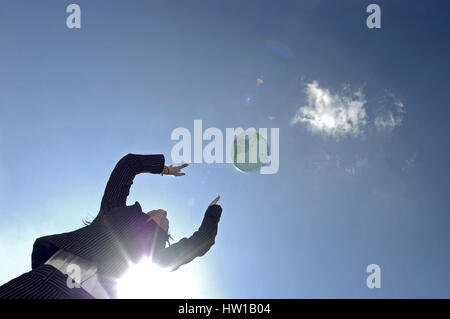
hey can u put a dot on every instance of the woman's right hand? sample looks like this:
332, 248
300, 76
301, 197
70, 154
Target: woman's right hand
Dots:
174, 170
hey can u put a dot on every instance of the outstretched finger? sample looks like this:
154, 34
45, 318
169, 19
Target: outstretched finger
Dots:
214, 202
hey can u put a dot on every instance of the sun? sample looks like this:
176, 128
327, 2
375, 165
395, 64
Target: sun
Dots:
146, 280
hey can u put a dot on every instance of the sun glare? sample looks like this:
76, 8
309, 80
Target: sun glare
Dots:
145, 280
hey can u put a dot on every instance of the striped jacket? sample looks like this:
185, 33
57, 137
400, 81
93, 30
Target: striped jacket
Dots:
120, 234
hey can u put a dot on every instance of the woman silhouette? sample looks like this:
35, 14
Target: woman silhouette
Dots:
86, 263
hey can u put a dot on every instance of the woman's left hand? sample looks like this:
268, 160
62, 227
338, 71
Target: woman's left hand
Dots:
214, 202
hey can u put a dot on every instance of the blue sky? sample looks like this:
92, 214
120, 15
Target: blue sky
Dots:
371, 187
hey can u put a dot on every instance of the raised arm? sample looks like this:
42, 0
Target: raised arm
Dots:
121, 179
197, 245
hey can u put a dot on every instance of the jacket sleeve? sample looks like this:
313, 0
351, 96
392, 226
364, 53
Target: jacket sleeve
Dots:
43, 249
197, 245
121, 179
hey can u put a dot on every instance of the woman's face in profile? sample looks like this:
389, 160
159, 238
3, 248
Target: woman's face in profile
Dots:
160, 218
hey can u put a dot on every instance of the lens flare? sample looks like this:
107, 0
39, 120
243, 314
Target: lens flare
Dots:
260, 80
146, 280
279, 48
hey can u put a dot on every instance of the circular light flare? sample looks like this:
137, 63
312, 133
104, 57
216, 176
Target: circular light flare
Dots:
146, 280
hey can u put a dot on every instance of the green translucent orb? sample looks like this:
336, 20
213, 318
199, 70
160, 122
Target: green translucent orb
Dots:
246, 152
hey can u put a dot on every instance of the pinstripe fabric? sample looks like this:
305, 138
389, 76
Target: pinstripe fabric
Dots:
120, 237
120, 234
196, 245
44, 282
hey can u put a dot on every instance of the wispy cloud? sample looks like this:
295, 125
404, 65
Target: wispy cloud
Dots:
350, 170
352, 165
356, 166
392, 114
332, 114
410, 163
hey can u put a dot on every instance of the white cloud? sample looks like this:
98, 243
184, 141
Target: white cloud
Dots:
393, 116
387, 121
332, 114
